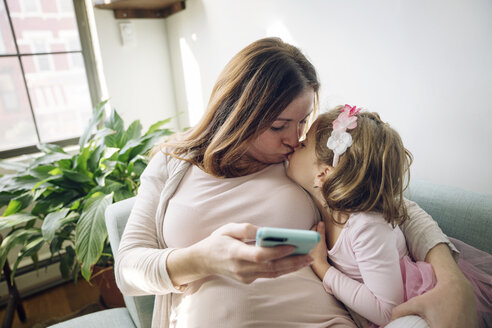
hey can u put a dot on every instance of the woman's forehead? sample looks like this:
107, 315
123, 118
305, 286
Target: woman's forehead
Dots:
300, 108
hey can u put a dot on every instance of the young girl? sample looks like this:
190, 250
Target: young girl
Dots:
356, 168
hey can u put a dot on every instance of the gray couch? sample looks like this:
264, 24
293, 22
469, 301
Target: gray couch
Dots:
462, 214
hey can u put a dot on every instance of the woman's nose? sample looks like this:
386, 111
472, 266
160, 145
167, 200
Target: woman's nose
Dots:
292, 137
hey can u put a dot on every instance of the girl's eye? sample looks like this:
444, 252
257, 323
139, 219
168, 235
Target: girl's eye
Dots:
302, 144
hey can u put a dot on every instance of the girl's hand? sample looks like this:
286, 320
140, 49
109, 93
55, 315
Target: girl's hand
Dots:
225, 253
320, 253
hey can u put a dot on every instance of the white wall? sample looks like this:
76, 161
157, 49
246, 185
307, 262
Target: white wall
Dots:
138, 76
424, 65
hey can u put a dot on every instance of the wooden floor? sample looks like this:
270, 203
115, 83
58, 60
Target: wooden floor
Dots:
58, 304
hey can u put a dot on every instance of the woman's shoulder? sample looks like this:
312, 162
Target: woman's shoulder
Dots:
163, 162
277, 175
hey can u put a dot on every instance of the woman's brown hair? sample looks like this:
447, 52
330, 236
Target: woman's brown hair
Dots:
252, 90
372, 173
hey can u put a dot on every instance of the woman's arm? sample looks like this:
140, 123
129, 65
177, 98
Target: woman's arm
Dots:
140, 262
451, 302
422, 233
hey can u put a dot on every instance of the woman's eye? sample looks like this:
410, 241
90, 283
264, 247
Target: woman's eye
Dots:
302, 144
277, 128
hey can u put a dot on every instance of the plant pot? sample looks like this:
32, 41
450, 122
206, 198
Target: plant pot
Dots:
110, 295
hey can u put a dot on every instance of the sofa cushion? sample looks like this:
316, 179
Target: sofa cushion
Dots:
462, 214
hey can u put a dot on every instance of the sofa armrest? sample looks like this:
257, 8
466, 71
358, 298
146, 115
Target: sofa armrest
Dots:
112, 318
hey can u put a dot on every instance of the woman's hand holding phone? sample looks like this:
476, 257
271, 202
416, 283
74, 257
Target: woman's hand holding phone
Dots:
224, 252
303, 240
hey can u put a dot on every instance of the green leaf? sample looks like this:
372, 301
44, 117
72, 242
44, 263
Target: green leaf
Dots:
82, 159
95, 157
64, 235
45, 183
17, 237
95, 119
17, 182
76, 176
122, 194
126, 150
19, 203
30, 249
136, 166
91, 232
44, 171
67, 262
114, 122
14, 219
52, 222
65, 267
139, 167
13, 207
154, 127
50, 158
109, 187
65, 164
148, 141
50, 148
54, 201
5, 198
108, 168
100, 134
134, 131
13, 166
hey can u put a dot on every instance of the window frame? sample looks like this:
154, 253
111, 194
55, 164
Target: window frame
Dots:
88, 51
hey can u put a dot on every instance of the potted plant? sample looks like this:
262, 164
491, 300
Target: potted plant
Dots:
60, 198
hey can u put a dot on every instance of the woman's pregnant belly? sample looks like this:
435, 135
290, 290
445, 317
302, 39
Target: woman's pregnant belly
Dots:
293, 300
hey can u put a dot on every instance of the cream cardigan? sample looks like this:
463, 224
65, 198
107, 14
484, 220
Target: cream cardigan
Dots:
140, 267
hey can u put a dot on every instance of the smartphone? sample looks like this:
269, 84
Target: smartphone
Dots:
303, 240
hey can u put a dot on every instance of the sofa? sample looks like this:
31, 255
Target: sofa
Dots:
462, 214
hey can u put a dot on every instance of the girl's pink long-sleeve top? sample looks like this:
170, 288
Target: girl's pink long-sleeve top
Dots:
366, 272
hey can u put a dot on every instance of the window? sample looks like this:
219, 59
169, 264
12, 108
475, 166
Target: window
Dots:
47, 90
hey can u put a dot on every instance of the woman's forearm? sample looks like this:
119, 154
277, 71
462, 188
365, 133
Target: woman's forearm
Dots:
451, 303
422, 233
443, 263
185, 265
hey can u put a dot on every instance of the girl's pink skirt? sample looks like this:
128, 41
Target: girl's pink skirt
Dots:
477, 268
418, 277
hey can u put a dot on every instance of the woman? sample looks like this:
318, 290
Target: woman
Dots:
207, 191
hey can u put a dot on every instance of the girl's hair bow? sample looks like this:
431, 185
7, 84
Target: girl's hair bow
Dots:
340, 139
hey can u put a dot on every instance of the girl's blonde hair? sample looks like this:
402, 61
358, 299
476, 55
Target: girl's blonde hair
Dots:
372, 173
252, 90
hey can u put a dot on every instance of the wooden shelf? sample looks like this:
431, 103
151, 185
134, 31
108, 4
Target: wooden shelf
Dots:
141, 8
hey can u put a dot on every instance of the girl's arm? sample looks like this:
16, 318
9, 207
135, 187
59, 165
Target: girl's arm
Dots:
378, 261
451, 302
145, 267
